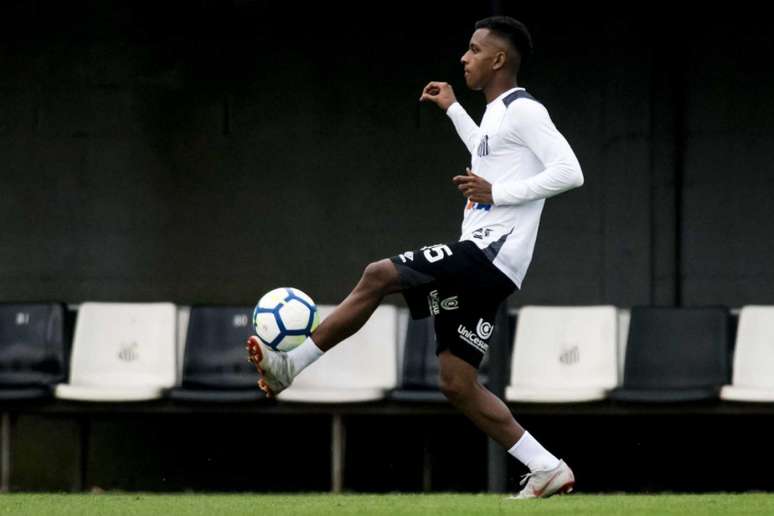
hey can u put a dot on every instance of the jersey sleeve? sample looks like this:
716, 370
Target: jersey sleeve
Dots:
465, 126
528, 123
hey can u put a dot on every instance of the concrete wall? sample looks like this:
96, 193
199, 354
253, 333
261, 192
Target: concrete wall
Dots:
209, 153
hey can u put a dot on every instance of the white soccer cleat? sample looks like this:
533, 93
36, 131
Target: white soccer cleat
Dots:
542, 484
274, 367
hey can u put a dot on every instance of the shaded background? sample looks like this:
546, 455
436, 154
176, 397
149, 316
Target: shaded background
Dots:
210, 151
206, 152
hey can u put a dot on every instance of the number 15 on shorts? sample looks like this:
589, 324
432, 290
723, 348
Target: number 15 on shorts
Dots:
436, 253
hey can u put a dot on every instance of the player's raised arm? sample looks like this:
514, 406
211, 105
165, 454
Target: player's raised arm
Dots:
442, 95
530, 124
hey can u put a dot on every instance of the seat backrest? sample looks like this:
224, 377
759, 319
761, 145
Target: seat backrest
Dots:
368, 359
125, 345
754, 355
566, 347
215, 355
677, 348
33, 344
420, 365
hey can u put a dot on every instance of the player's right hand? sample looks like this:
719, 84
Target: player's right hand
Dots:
440, 93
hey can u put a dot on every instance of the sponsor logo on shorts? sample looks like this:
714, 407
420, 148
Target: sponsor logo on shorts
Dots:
484, 329
471, 338
433, 303
450, 303
408, 256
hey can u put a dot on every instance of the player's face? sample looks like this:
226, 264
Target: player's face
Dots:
478, 60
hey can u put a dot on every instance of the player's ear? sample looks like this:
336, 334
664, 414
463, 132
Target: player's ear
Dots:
499, 60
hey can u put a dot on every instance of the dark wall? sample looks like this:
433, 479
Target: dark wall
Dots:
210, 152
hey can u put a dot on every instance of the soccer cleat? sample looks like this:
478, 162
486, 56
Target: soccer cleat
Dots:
542, 484
273, 366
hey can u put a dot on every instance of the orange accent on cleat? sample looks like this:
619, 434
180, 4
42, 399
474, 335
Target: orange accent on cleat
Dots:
255, 356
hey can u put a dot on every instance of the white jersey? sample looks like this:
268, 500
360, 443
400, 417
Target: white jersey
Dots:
519, 151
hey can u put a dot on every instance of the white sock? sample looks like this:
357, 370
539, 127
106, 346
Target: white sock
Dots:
300, 357
532, 454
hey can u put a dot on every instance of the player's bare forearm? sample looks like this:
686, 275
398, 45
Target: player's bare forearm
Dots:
474, 187
440, 93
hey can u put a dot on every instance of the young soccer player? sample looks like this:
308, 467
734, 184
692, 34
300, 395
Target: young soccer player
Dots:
518, 159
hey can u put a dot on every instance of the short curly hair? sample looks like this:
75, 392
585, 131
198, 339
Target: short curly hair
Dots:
513, 31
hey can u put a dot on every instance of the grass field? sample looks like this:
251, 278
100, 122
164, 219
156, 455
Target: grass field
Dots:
392, 504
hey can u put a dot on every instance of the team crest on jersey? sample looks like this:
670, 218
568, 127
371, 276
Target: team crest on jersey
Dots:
483, 146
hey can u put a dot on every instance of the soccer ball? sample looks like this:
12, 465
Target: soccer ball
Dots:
284, 318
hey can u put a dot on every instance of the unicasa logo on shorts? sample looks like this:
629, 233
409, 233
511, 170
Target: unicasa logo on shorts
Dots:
477, 338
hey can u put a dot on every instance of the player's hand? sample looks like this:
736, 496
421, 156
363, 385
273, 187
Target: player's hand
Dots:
474, 187
440, 93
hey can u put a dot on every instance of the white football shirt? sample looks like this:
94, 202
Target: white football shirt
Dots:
519, 151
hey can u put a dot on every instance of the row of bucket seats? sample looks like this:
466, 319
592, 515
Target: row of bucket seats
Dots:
121, 352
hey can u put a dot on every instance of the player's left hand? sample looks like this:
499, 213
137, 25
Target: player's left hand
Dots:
474, 187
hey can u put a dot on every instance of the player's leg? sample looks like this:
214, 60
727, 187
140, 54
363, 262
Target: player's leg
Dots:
277, 369
459, 383
463, 337
379, 279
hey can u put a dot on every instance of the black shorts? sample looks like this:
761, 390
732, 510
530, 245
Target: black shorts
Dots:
458, 285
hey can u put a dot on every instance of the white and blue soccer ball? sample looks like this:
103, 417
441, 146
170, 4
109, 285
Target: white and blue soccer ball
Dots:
284, 318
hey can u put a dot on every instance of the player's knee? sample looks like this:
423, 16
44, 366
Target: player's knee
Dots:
379, 276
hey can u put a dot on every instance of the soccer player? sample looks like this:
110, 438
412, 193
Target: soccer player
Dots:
518, 159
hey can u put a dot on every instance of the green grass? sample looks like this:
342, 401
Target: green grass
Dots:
392, 504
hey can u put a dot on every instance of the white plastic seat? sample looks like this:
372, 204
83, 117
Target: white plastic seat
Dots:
122, 352
753, 374
361, 368
564, 354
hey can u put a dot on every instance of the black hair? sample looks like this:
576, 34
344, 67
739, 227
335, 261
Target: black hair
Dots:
513, 31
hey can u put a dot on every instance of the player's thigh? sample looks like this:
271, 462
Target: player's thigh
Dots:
455, 373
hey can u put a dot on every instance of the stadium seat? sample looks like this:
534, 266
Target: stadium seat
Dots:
33, 349
215, 368
675, 355
122, 352
564, 354
753, 373
361, 368
419, 381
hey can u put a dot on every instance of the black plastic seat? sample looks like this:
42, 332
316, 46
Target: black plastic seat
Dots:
215, 366
33, 349
676, 355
